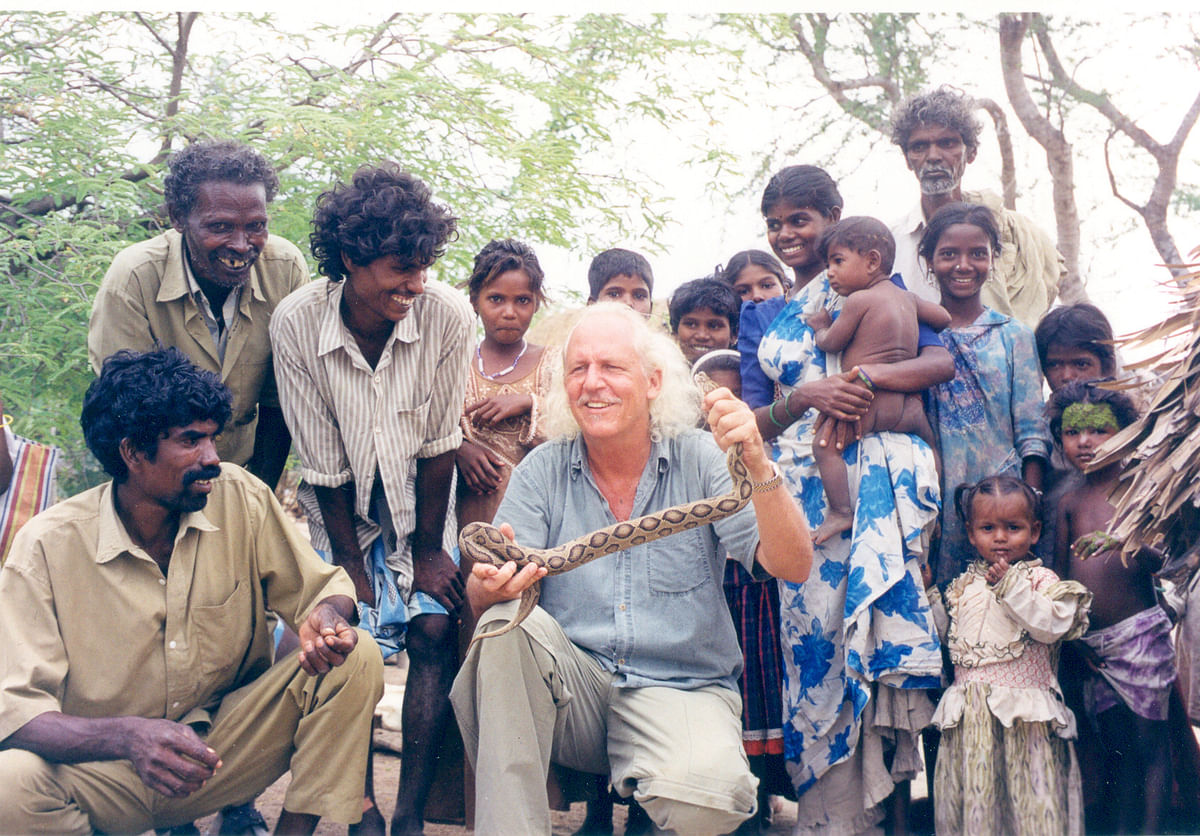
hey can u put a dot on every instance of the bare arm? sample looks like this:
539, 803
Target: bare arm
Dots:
1062, 539
932, 365
932, 314
785, 545
842, 396
337, 513
1032, 470
434, 573
841, 331
272, 441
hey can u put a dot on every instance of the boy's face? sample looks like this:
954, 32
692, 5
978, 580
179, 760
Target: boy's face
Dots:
1085, 426
631, 291
728, 378
1068, 363
849, 271
700, 331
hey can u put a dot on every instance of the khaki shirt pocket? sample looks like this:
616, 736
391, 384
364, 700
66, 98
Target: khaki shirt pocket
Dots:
222, 632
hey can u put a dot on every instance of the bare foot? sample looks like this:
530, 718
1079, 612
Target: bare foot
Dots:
372, 823
835, 523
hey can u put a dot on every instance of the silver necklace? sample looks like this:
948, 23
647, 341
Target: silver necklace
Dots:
479, 357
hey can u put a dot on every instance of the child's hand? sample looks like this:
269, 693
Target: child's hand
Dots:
926, 575
997, 571
820, 320
1092, 544
480, 467
497, 408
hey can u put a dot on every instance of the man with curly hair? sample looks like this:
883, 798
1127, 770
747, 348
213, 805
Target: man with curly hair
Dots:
372, 366
939, 135
208, 287
137, 689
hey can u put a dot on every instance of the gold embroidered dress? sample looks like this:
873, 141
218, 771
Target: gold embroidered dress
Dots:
1006, 763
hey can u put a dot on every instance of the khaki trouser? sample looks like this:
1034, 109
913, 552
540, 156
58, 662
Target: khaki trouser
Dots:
319, 727
531, 696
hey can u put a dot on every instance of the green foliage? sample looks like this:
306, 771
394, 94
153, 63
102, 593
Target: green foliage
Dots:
506, 117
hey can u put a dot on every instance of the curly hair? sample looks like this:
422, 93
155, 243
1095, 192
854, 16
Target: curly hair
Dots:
953, 214
617, 262
709, 293
203, 162
677, 407
946, 106
860, 234
741, 260
1081, 326
383, 211
803, 185
140, 396
1001, 484
499, 257
1078, 391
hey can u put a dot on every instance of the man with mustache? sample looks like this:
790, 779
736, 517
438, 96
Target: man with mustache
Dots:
137, 690
939, 136
209, 286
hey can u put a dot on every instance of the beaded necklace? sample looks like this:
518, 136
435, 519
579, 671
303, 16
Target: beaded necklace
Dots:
482, 373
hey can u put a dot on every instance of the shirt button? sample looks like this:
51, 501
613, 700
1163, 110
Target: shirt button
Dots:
175, 704
379, 429
378, 379
171, 645
620, 661
622, 608
162, 581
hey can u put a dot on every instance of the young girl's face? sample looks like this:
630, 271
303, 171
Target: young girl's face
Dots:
1002, 527
962, 260
793, 232
506, 306
1085, 426
755, 283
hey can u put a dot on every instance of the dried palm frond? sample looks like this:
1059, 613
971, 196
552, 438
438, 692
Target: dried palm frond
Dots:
1157, 498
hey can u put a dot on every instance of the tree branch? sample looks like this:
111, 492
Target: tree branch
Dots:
1008, 166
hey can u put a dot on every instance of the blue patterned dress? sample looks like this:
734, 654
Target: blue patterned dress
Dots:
861, 623
986, 420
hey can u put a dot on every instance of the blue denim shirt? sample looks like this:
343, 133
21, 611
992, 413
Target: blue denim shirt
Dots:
654, 614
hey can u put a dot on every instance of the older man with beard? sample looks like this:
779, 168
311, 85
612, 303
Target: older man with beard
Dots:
939, 137
629, 665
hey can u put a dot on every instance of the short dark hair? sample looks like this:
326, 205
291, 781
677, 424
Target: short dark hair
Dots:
803, 185
498, 257
225, 161
705, 293
946, 106
1078, 391
719, 360
1001, 484
958, 213
141, 396
617, 262
1082, 326
741, 260
860, 234
383, 211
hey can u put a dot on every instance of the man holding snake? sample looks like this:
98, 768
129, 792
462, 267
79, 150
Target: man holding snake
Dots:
629, 665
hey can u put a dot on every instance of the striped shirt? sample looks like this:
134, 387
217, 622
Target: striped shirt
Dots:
350, 422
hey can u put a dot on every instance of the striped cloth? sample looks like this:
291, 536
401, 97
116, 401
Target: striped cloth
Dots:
32, 487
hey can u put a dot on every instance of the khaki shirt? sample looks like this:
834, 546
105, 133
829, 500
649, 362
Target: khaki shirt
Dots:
1025, 278
94, 629
144, 297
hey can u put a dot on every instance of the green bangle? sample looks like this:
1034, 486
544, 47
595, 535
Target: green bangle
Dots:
866, 380
771, 415
786, 409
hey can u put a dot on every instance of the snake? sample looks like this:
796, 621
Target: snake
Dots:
484, 543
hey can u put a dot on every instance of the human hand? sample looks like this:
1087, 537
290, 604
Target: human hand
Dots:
1092, 544
497, 408
996, 571
732, 421
843, 396
828, 431
820, 320
926, 575
490, 585
479, 466
169, 757
435, 574
326, 638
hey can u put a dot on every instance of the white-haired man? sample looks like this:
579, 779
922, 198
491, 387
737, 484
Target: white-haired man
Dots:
629, 666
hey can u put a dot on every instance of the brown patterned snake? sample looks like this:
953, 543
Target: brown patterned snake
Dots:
484, 543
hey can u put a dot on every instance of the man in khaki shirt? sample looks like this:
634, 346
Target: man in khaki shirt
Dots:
939, 136
209, 287
136, 688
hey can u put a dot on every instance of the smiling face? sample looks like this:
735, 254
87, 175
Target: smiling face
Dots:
962, 261
938, 157
631, 291
793, 232
380, 292
506, 306
225, 232
608, 389
700, 331
1065, 364
849, 270
1002, 527
178, 476
757, 284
